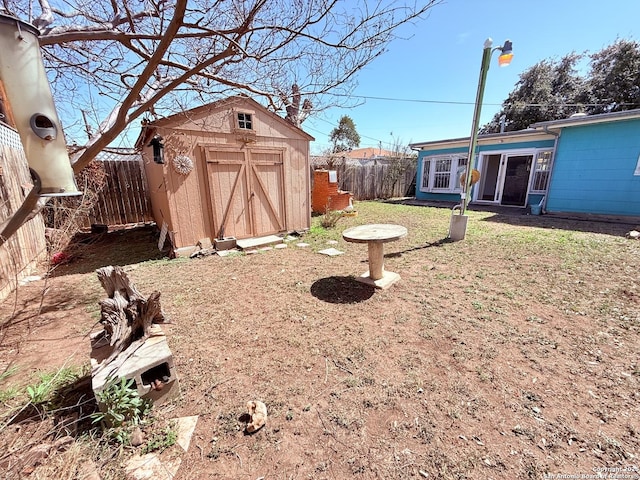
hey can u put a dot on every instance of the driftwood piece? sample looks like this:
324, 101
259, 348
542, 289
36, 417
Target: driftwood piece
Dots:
126, 315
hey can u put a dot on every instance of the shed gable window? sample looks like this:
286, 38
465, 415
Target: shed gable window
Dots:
440, 173
245, 121
541, 172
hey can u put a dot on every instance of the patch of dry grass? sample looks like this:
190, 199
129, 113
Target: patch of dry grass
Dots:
511, 354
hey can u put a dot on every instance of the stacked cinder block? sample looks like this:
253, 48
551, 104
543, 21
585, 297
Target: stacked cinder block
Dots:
325, 195
150, 366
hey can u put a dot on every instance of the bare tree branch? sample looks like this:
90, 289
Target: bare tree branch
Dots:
122, 58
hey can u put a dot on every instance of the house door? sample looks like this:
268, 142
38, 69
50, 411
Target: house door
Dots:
246, 193
488, 188
516, 180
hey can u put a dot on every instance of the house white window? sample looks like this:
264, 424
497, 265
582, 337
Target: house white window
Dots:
245, 121
440, 173
426, 172
541, 172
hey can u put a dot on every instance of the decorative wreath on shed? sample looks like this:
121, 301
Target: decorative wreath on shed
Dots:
182, 164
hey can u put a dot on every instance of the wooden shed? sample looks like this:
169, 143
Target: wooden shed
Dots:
226, 169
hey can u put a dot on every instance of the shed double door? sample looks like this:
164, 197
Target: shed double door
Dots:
246, 191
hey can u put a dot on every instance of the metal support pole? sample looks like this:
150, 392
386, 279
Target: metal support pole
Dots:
473, 139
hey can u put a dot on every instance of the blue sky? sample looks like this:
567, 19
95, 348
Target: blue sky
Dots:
441, 63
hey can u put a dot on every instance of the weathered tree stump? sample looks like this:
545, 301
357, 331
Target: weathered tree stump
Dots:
126, 315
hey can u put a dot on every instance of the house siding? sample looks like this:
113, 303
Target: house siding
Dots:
492, 147
594, 170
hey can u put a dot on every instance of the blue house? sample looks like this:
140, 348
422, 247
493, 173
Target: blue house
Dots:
586, 164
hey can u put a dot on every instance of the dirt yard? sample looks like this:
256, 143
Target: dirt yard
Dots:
511, 354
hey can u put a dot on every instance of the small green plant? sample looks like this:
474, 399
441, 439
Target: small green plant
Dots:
8, 373
122, 409
316, 230
8, 394
161, 441
49, 382
38, 393
330, 218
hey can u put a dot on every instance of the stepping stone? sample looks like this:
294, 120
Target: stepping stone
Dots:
302, 245
281, 246
257, 242
332, 242
332, 252
226, 253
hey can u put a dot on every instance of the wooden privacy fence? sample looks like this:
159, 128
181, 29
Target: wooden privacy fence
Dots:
124, 200
381, 180
20, 254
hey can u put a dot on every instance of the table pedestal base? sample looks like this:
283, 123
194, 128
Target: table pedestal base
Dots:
387, 279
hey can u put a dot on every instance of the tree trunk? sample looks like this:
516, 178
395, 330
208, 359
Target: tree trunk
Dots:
126, 315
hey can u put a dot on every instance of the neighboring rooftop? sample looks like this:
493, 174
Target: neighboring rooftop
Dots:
120, 154
369, 152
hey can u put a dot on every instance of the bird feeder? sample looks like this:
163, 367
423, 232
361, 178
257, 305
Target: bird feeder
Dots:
30, 100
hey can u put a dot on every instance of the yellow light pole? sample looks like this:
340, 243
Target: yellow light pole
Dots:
458, 227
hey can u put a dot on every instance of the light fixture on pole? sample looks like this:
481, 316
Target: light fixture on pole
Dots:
458, 227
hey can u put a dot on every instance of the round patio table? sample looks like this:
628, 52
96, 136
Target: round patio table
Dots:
375, 236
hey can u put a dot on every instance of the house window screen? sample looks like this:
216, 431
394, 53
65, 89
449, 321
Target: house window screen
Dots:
542, 172
442, 173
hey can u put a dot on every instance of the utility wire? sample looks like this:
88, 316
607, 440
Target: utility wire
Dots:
377, 140
452, 102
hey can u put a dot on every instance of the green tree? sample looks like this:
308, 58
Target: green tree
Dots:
614, 78
551, 90
345, 135
547, 91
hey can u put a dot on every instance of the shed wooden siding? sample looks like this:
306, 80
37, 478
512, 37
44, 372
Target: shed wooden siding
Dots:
191, 204
157, 189
21, 254
594, 169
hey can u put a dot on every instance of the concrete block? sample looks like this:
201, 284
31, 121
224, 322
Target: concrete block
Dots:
150, 366
205, 243
226, 243
184, 251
